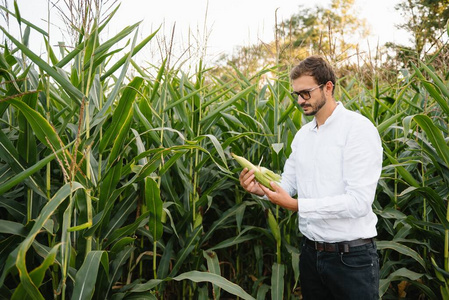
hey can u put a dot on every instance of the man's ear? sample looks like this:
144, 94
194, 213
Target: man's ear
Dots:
329, 87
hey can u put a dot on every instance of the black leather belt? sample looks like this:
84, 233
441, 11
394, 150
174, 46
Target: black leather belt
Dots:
343, 247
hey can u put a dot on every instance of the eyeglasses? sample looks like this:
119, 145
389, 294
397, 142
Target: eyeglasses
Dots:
305, 94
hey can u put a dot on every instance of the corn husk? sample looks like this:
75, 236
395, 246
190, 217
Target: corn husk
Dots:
274, 226
263, 175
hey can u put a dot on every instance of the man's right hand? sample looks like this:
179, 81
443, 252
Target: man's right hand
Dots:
249, 183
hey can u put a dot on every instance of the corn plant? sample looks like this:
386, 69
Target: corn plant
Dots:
84, 174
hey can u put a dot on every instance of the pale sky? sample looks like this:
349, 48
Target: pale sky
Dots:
228, 23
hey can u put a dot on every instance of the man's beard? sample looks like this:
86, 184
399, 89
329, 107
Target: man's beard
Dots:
315, 107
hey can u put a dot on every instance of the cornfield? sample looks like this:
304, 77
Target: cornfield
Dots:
123, 187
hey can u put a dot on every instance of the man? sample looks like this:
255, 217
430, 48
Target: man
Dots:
333, 170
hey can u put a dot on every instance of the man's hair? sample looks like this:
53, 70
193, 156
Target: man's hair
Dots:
316, 67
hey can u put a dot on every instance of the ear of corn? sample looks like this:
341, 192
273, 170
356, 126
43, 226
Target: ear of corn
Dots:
263, 175
274, 226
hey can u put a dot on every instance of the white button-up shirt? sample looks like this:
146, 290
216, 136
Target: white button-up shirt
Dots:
334, 172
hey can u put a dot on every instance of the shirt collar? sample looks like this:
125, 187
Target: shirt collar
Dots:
334, 114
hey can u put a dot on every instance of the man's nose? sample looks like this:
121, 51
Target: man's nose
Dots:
300, 100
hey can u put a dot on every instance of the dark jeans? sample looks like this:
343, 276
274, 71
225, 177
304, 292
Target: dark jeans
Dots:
334, 275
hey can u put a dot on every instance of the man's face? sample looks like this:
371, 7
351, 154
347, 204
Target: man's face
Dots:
307, 87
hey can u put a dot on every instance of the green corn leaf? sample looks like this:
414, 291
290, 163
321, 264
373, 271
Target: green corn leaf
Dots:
386, 125
117, 266
16, 210
69, 57
190, 244
100, 116
86, 276
224, 219
402, 171
26, 145
120, 214
217, 147
150, 130
435, 136
287, 112
45, 214
10, 260
126, 230
397, 275
241, 238
165, 262
109, 184
154, 206
44, 132
121, 118
441, 274
403, 249
185, 98
10, 227
435, 93
65, 84
213, 266
171, 161
157, 82
101, 49
123, 60
277, 281
262, 292
436, 79
121, 244
10, 154
51, 53
295, 255
37, 275
103, 216
26, 36
42, 129
232, 288
147, 286
140, 146
227, 103
436, 201
406, 124
16, 9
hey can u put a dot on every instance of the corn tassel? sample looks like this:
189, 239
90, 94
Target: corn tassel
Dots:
263, 175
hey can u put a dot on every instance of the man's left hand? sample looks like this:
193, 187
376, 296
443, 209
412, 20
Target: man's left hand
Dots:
280, 197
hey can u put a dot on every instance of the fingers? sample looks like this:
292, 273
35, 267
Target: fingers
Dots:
246, 177
272, 195
243, 175
274, 186
266, 190
249, 183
